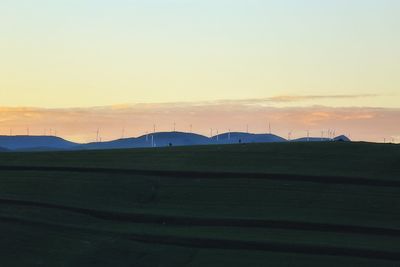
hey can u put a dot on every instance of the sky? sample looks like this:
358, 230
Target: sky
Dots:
131, 64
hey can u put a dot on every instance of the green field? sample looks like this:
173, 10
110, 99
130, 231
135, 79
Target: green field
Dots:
278, 204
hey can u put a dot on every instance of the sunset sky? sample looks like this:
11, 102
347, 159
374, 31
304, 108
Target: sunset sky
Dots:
73, 66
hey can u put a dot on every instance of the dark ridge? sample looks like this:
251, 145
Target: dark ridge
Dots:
232, 244
158, 139
214, 175
26, 142
197, 221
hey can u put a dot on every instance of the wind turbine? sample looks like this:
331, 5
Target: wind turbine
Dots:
191, 127
229, 134
308, 135
269, 127
217, 135
97, 135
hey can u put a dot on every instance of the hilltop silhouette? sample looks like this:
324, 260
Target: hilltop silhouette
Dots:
240, 137
158, 139
322, 139
24, 142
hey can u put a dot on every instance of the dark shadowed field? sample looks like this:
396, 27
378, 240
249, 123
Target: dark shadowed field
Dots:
278, 204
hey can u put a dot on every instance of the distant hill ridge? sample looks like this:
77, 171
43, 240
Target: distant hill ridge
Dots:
158, 139
19, 142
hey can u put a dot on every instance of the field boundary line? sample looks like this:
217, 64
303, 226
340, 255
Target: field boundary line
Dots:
213, 175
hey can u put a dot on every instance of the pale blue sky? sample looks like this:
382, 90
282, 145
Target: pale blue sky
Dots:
91, 53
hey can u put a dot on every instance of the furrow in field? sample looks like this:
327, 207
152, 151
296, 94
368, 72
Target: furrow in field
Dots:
219, 222
228, 244
216, 175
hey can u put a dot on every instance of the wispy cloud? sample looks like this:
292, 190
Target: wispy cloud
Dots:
248, 101
294, 98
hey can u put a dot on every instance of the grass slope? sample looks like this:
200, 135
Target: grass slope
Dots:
234, 205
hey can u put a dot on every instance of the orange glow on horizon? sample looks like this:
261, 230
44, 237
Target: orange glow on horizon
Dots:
81, 124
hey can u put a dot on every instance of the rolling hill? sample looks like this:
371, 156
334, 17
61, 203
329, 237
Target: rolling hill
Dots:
240, 137
24, 142
158, 139
340, 138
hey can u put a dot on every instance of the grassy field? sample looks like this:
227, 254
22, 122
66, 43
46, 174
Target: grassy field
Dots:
279, 204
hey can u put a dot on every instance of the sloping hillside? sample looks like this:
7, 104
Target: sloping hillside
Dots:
24, 142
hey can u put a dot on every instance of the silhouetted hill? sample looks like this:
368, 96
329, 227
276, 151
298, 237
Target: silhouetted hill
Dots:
342, 138
176, 139
24, 142
114, 144
322, 139
311, 139
159, 139
236, 137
